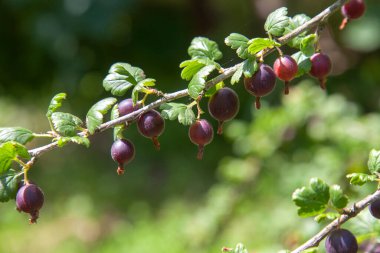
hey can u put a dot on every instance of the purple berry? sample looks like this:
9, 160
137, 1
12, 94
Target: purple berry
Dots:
122, 152
374, 209
126, 107
30, 199
201, 134
151, 125
286, 69
341, 241
352, 10
261, 83
223, 106
320, 67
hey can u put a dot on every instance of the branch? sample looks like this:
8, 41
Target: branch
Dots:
227, 73
350, 213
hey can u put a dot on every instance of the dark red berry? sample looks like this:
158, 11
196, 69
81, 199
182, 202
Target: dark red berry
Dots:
341, 241
352, 10
126, 107
30, 199
374, 209
320, 68
201, 134
122, 152
261, 83
285, 68
223, 106
151, 125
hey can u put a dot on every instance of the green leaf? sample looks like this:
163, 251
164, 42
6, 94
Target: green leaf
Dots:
75, 139
238, 42
191, 67
303, 62
118, 129
17, 134
294, 23
182, 112
312, 200
277, 21
197, 83
338, 198
308, 44
374, 161
236, 76
326, 216
122, 77
361, 178
66, 124
55, 103
9, 184
202, 47
94, 116
258, 44
311, 250
142, 87
250, 67
214, 89
240, 248
10, 151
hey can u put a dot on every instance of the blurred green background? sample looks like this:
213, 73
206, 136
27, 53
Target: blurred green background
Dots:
168, 201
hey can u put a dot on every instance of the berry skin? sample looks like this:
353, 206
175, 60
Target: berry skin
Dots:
126, 107
285, 68
320, 68
201, 133
223, 106
30, 199
341, 241
374, 209
352, 10
151, 125
261, 83
122, 152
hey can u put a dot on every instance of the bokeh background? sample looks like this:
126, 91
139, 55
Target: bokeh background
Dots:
168, 201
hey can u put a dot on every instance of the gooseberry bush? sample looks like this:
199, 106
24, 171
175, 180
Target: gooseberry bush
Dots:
206, 80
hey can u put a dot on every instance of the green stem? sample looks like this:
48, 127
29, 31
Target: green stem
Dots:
43, 135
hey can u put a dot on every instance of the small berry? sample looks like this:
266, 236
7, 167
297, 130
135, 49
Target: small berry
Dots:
261, 83
151, 125
30, 199
201, 134
352, 10
122, 152
223, 106
126, 106
374, 209
341, 241
286, 69
320, 68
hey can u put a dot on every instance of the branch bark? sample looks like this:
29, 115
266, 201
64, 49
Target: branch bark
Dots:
227, 73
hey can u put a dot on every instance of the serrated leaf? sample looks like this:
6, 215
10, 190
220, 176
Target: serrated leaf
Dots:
178, 111
202, 47
338, 198
277, 21
361, 178
307, 45
374, 161
66, 124
214, 89
197, 83
294, 23
17, 134
118, 129
94, 116
258, 44
326, 216
236, 76
191, 67
250, 67
142, 87
122, 77
9, 184
303, 62
186, 117
10, 151
75, 139
312, 200
238, 42
55, 103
